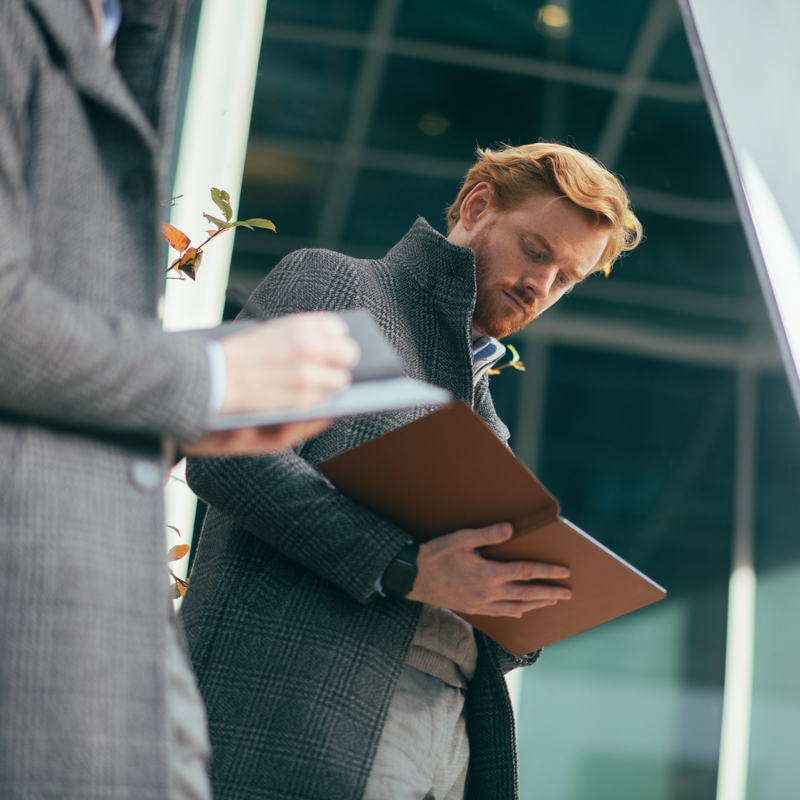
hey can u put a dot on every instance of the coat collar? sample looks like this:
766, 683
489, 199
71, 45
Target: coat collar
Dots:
446, 273
68, 25
440, 267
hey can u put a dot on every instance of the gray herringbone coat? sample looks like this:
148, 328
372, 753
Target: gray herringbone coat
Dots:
296, 655
88, 385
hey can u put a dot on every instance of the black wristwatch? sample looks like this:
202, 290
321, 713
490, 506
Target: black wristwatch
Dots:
398, 580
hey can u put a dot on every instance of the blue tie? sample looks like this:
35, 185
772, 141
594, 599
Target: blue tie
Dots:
112, 17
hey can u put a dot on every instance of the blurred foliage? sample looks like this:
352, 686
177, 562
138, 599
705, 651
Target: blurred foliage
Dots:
515, 362
176, 553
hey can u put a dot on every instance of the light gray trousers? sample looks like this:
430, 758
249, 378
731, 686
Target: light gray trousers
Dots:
188, 749
423, 753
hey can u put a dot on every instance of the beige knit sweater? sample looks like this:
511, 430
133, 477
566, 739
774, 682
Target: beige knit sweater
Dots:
444, 647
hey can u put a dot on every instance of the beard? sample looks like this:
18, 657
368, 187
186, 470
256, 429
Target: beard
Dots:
493, 314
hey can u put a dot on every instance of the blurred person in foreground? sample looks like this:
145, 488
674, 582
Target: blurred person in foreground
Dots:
325, 644
96, 698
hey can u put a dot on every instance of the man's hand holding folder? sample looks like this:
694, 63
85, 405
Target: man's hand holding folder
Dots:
452, 573
448, 472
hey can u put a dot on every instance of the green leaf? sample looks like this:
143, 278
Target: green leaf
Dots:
241, 225
222, 200
218, 222
260, 223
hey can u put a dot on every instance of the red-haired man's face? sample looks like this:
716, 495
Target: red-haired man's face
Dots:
527, 258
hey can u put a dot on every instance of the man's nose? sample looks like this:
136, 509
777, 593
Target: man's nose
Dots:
540, 281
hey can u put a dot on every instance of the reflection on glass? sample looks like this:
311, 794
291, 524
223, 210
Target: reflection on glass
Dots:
607, 715
774, 772
774, 769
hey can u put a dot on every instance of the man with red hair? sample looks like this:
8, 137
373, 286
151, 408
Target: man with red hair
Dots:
325, 643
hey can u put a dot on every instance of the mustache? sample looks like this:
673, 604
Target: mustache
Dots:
523, 295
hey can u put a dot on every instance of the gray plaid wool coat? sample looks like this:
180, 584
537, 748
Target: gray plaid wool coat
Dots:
89, 383
296, 655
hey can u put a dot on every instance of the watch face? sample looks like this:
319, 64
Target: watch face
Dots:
399, 578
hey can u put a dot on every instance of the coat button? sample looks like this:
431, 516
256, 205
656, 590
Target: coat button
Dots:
137, 185
146, 475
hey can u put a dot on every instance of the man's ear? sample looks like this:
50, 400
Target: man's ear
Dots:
475, 204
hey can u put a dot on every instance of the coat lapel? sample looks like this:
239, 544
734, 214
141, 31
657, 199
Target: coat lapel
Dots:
68, 25
484, 407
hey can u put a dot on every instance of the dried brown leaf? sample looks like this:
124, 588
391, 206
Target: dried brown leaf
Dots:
176, 239
189, 263
177, 552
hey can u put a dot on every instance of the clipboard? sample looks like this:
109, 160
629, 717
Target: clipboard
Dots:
447, 471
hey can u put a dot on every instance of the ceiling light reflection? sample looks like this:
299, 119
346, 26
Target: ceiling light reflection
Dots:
433, 123
554, 20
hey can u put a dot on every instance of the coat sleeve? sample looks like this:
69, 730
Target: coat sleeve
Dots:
508, 661
64, 361
281, 498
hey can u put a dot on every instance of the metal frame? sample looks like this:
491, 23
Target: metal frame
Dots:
726, 148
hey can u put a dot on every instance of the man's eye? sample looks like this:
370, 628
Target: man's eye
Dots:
563, 280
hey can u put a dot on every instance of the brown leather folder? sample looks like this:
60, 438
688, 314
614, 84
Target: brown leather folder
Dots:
448, 471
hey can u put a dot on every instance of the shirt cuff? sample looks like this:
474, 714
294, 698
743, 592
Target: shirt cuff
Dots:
218, 365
